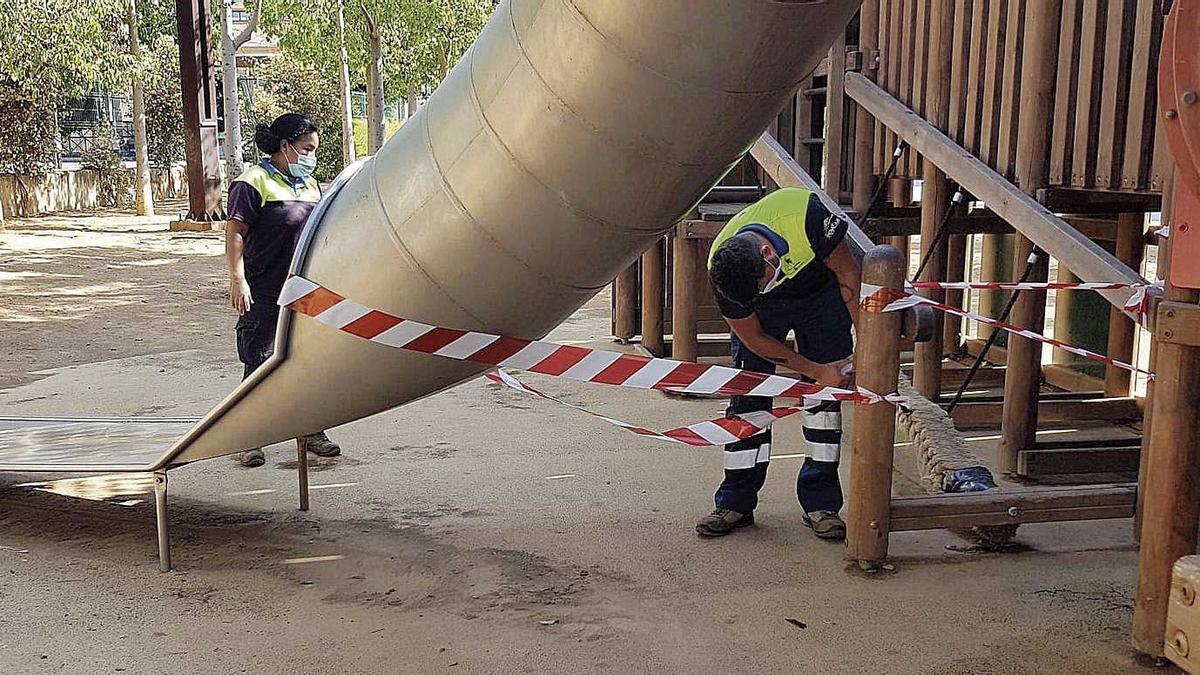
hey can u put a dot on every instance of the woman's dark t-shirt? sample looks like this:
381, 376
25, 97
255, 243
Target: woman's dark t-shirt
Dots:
274, 208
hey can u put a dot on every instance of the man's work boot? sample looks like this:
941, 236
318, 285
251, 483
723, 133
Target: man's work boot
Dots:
320, 445
723, 521
252, 458
825, 524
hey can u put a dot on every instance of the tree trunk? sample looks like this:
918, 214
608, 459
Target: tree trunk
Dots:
143, 194
347, 110
410, 102
229, 87
374, 90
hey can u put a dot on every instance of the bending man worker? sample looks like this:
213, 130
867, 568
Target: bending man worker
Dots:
781, 266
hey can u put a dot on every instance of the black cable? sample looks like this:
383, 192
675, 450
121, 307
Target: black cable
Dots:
1033, 260
879, 189
942, 231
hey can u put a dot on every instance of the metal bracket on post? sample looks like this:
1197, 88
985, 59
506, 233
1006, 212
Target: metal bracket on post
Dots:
302, 471
160, 517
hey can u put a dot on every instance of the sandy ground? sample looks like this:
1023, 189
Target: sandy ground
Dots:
474, 531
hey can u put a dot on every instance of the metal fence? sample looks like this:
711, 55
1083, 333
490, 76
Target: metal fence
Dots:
95, 122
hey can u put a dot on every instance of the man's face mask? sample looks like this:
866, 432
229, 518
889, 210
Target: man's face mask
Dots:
776, 278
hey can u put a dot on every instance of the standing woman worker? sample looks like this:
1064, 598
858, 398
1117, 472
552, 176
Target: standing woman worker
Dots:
268, 206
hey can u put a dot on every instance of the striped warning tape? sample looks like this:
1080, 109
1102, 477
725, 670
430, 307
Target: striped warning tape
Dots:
1138, 303
879, 299
576, 363
1025, 285
713, 432
548, 358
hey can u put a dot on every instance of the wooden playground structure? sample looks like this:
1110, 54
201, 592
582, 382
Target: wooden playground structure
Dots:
1049, 116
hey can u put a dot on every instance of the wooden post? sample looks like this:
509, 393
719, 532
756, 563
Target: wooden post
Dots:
900, 195
1130, 231
956, 264
1039, 64
864, 125
1018, 423
684, 342
1161, 271
990, 269
1171, 508
654, 270
627, 292
1062, 314
835, 106
877, 362
935, 198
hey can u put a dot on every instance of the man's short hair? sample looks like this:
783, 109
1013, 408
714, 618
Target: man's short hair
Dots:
737, 266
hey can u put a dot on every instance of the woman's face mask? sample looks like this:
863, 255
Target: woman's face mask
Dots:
304, 165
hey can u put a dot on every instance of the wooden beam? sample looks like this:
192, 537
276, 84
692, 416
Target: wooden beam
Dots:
957, 225
1036, 462
1067, 378
1048, 231
877, 362
1010, 507
971, 415
1082, 202
1178, 323
1183, 615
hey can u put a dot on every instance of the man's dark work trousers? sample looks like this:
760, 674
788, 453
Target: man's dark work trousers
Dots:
822, 326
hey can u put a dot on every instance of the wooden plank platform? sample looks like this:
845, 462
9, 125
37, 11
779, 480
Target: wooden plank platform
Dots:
970, 415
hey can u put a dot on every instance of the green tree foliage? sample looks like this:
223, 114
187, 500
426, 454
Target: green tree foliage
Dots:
286, 85
164, 102
55, 50
421, 39
62, 48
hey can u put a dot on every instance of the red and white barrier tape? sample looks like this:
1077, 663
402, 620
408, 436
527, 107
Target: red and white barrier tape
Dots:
713, 432
1138, 303
879, 299
1024, 285
574, 363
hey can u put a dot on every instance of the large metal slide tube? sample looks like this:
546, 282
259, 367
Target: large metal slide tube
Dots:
568, 138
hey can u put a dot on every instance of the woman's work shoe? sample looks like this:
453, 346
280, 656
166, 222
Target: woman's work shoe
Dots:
320, 445
723, 521
252, 458
825, 524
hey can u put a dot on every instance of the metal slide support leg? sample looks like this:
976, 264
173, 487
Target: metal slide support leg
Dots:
302, 471
160, 517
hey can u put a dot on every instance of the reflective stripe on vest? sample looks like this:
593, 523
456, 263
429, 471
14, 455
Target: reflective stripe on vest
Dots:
271, 188
784, 212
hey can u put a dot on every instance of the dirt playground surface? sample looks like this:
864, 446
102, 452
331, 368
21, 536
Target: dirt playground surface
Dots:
476, 531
